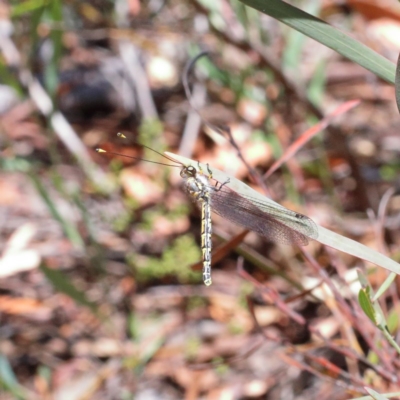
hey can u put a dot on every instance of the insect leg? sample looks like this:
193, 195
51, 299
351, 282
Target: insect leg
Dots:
209, 172
217, 189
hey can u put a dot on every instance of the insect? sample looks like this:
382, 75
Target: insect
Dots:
274, 222
198, 187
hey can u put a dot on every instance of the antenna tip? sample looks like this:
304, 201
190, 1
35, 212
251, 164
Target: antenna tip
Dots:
121, 135
100, 150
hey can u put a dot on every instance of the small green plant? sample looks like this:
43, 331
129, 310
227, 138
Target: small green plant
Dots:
175, 261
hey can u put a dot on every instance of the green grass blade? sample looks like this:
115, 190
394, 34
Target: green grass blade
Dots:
387, 396
62, 283
397, 83
68, 227
375, 395
326, 34
385, 286
9, 381
26, 7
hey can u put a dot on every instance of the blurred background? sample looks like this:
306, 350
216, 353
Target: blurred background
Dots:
101, 295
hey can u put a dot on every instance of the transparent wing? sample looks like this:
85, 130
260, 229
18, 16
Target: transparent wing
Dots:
277, 224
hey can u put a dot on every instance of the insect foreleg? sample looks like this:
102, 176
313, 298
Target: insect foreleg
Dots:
217, 189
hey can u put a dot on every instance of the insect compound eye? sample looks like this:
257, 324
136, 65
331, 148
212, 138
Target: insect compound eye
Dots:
191, 170
188, 172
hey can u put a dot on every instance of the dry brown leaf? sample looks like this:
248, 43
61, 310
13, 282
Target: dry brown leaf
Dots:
252, 111
140, 187
372, 9
23, 305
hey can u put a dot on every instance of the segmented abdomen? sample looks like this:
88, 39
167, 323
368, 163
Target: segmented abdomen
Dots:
206, 239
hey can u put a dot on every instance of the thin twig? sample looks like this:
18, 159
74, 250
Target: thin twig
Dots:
224, 131
138, 78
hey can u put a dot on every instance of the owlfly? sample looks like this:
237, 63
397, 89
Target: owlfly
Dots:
274, 222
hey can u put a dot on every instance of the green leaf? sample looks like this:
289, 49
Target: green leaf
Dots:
316, 88
295, 42
26, 7
326, 34
362, 278
366, 305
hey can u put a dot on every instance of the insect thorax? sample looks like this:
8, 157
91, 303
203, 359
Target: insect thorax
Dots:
198, 187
